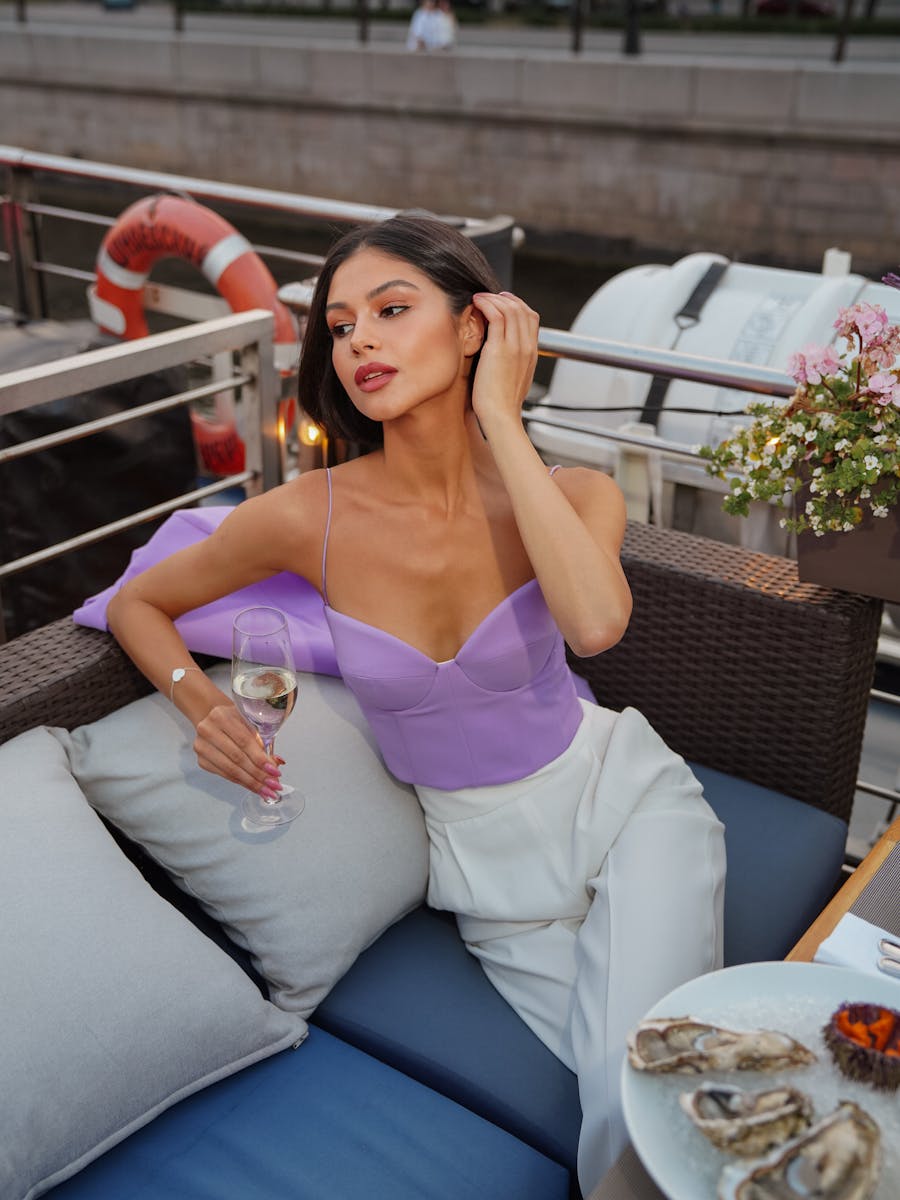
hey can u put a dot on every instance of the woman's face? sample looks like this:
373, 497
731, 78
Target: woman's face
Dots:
395, 342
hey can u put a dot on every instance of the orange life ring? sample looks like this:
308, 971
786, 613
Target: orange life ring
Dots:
166, 226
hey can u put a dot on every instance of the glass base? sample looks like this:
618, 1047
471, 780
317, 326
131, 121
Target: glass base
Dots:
289, 805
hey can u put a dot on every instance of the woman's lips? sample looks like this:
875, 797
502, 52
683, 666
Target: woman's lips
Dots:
371, 376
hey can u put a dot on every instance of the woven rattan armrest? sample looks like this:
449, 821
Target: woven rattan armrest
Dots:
63, 674
741, 667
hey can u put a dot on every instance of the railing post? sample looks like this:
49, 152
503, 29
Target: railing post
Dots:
260, 407
28, 294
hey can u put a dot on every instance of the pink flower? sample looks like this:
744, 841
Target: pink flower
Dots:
869, 320
813, 363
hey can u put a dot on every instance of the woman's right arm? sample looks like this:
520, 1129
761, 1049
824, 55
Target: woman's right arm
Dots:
263, 536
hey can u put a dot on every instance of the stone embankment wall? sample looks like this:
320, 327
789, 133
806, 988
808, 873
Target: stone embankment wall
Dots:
759, 160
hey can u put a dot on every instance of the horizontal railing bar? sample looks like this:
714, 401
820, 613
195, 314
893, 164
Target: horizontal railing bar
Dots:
660, 445
47, 268
254, 197
872, 789
69, 214
75, 432
296, 256
747, 377
139, 518
314, 206
885, 697
112, 364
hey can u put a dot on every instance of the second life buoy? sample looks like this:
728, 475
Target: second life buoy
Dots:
165, 226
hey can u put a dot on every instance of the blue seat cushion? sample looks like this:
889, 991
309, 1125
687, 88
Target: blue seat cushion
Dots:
418, 1000
784, 860
319, 1123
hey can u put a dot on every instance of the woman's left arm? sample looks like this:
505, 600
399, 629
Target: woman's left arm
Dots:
571, 525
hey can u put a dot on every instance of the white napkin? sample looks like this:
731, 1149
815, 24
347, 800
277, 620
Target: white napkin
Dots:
854, 943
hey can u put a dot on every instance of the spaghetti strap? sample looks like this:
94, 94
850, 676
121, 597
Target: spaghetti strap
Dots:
555, 468
327, 531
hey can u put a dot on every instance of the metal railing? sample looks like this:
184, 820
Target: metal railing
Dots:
249, 334
22, 209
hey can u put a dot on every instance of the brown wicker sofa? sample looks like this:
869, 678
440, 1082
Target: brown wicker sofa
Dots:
737, 664
759, 681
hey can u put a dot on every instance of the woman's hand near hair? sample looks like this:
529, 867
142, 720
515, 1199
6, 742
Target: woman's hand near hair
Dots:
508, 356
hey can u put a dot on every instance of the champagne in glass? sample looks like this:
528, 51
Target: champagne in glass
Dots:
264, 686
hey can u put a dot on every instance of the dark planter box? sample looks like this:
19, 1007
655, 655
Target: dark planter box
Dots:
865, 560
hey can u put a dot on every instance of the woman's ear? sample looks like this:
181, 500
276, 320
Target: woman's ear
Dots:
472, 330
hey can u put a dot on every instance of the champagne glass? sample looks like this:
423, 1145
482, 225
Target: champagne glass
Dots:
264, 686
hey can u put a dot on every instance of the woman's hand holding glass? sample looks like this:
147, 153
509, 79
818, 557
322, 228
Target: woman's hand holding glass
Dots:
264, 686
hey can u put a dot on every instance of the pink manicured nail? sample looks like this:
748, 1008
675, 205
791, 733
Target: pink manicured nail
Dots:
271, 768
268, 793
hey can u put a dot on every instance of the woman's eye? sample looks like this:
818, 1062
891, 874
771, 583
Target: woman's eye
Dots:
393, 310
341, 329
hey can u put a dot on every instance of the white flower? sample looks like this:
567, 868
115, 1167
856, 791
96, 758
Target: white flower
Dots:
813, 486
880, 439
865, 493
782, 524
843, 444
818, 471
809, 436
879, 510
848, 525
826, 421
810, 507
795, 429
870, 462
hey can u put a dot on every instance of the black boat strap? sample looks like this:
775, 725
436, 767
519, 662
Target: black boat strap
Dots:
688, 315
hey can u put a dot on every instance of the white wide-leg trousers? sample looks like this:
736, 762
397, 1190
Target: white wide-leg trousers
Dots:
588, 891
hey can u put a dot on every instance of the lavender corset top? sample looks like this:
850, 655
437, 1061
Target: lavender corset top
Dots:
505, 706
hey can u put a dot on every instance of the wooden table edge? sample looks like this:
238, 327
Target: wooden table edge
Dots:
843, 901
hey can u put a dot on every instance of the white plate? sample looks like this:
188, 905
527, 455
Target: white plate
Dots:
795, 998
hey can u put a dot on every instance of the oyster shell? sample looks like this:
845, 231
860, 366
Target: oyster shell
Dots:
747, 1123
837, 1159
690, 1046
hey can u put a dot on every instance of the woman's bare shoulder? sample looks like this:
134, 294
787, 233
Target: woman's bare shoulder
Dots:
596, 497
587, 482
282, 523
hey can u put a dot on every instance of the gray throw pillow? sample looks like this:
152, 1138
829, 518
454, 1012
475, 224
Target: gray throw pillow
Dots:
114, 1006
304, 898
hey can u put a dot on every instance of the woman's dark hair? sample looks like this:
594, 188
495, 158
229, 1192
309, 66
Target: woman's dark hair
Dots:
450, 260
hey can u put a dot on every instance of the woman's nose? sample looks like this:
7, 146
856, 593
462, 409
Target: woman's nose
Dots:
362, 338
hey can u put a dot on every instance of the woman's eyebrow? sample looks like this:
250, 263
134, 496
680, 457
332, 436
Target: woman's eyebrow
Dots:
382, 287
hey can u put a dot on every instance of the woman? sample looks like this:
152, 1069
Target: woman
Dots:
583, 864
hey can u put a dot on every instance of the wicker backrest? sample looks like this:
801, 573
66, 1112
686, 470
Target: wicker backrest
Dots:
736, 664
63, 674
741, 667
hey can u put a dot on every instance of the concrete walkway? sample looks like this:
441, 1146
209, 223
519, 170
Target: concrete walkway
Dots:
498, 35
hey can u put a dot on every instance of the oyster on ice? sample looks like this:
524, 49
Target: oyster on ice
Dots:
837, 1159
690, 1046
747, 1123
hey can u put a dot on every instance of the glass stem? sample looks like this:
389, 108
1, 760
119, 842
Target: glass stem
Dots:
269, 747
